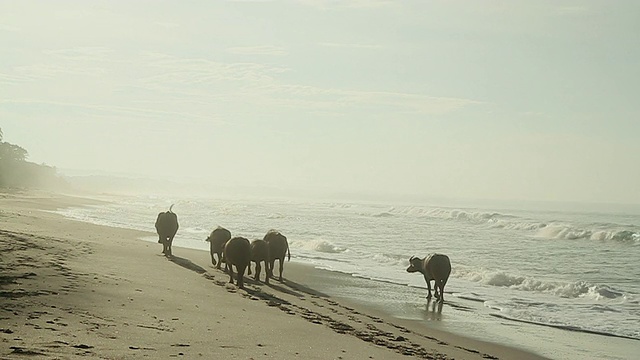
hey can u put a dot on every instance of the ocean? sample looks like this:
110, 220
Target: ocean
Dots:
560, 280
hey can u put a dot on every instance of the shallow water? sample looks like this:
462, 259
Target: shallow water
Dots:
532, 268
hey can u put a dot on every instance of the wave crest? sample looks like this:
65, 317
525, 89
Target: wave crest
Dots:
319, 245
571, 233
579, 289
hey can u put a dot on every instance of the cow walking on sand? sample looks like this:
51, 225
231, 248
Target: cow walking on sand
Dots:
167, 227
237, 252
278, 249
259, 254
217, 239
435, 267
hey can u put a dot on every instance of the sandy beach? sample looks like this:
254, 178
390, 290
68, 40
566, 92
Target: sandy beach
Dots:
71, 289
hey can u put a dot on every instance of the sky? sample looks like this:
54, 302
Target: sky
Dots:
531, 99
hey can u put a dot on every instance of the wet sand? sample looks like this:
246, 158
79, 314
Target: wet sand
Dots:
71, 289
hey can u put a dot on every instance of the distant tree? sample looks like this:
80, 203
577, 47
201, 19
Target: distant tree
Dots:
17, 173
11, 152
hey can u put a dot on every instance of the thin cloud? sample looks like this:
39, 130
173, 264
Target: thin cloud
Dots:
258, 50
351, 46
171, 69
261, 84
339, 99
81, 53
99, 109
47, 71
360, 4
13, 78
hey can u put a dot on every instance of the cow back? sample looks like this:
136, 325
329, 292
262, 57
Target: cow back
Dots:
167, 224
259, 250
218, 238
437, 266
277, 243
237, 251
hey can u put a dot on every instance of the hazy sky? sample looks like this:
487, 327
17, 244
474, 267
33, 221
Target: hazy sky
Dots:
474, 99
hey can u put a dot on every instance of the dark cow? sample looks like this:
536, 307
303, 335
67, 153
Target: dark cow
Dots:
216, 240
435, 267
237, 251
167, 227
260, 253
278, 249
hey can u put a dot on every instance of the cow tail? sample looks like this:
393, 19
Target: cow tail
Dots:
288, 253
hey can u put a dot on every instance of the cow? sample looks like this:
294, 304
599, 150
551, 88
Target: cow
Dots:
260, 253
167, 227
278, 248
237, 251
217, 239
435, 267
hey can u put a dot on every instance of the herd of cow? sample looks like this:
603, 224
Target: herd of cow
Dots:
239, 252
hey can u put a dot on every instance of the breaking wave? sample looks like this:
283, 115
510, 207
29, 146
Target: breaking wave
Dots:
319, 245
470, 216
573, 233
383, 215
391, 260
579, 289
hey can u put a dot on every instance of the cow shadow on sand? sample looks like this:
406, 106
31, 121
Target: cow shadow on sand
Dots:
285, 286
187, 264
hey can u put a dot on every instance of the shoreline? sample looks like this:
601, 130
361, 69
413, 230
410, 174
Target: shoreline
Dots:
86, 264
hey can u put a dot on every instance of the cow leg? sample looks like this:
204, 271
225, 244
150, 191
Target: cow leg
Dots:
219, 266
258, 270
229, 269
169, 242
240, 281
428, 287
281, 263
436, 288
442, 284
213, 259
270, 267
249, 268
266, 270
164, 246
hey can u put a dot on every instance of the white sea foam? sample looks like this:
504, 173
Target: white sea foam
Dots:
318, 245
526, 283
568, 232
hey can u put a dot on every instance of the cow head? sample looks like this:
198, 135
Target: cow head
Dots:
415, 265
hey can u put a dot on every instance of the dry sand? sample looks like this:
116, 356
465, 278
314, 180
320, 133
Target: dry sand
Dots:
70, 289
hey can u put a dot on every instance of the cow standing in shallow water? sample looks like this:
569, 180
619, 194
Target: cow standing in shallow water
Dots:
167, 227
435, 267
217, 240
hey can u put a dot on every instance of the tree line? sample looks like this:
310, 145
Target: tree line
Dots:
17, 172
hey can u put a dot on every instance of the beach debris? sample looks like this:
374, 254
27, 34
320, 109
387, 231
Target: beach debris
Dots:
24, 351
